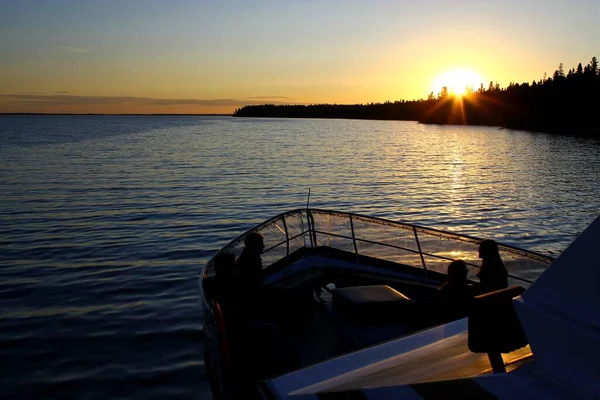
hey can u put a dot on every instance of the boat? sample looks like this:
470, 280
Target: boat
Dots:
351, 310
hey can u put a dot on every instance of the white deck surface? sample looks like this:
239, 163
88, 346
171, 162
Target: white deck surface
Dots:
446, 359
437, 353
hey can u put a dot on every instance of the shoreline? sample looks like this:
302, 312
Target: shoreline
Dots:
122, 115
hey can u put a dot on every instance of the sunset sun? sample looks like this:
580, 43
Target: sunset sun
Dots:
457, 80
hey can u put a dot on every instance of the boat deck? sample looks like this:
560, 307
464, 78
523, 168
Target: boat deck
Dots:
437, 354
444, 360
319, 331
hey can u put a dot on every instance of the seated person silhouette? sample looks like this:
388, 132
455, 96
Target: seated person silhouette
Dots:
456, 294
261, 301
492, 275
249, 262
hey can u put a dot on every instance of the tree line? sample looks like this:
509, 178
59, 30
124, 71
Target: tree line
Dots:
565, 102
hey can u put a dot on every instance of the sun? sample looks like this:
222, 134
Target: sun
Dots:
457, 80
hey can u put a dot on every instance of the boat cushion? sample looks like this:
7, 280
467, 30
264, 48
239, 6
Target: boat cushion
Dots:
371, 303
494, 326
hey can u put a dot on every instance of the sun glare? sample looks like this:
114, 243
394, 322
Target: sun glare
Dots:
457, 81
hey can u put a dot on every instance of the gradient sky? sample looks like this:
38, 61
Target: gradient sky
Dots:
213, 56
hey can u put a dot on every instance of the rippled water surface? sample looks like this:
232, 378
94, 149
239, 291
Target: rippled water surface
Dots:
106, 222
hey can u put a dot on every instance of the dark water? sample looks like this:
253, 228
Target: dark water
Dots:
106, 221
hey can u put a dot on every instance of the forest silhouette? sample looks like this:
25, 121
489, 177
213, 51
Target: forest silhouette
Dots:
566, 102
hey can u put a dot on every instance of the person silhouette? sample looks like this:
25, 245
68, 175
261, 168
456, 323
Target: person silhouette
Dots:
492, 274
456, 294
225, 267
223, 286
250, 262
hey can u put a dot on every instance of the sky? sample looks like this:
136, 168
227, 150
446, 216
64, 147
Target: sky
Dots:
201, 56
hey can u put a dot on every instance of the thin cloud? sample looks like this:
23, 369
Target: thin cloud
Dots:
63, 99
70, 49
272, 97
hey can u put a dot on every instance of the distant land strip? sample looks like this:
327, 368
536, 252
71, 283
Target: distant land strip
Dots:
140, 115
565, 103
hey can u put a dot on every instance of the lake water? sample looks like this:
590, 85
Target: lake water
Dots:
106, 222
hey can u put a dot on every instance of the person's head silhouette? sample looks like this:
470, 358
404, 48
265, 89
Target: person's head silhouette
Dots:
488, 250
457, 271
255, 243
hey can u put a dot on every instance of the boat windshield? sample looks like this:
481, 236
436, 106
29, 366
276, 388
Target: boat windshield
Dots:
401, 243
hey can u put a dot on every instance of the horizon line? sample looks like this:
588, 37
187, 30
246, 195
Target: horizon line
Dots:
124, 114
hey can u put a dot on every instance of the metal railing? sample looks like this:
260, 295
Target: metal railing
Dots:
302, 228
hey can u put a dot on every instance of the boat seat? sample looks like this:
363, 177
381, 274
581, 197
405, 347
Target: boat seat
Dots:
494, 326
371, 303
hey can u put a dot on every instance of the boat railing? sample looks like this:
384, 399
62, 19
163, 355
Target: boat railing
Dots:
403, 243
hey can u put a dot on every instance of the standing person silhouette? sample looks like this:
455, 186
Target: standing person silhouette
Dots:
223, 285
249, 262
493, 274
